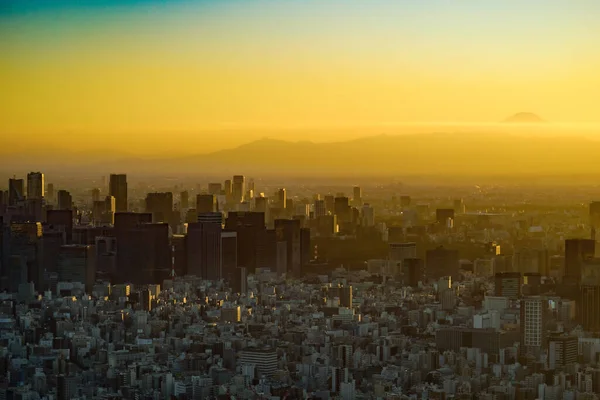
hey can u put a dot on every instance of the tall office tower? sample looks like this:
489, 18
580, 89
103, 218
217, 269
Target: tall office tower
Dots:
248, 226
532, 325
508, 284
215, 188
330, 204
531, 260
148, 254
61, 219
357, 196
77, 263
184, 200
442, 262
405, 201
103, 211
562, 350
327, 225
266, 251
367, 215
413, 271
261, 204
160, 205
118, 189
306, 249
459, 206
179, 245
288, 230
16, 191
125, 224
576, 252
239, 188
95, 195
402, 251
229, 264
588, 308
204, 247
281, 198
64, 200
442, 215
319, 208
50, 192
206, 203
35, 186
342, 209
227, 188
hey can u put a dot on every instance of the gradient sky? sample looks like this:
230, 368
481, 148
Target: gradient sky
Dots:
140, 67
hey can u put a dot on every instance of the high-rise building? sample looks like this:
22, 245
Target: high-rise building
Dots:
62, 219
35, 186
64, 200
16, 191
184, 200
227, 189
576, 252
160, 205
532, 325
229, 256
442, 215
214, 188
402, 251
342, 209
125, 224
281, 198
204, 247
508, 284
288, 230
413, 271
261, 204
330, 204
103, 211
95, 195
239, 188
206, 203
595, 218
562, 350
319, 208
357, 196
248, 226
77, 263
118, 189
442, 262
50, 192
588, 308
405, 201
367, 215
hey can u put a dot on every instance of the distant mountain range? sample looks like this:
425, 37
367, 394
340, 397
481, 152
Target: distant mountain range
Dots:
435, 154
524, 118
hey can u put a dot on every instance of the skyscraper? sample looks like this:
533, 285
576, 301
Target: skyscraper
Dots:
118, 189
288, 230
50, 192
206, 203
532, 325
184, 200
160, 205
357, 196
16, 191
204, 247
238, 189
576, 252
508, 284
95, 195
65, 201
35, 186
281, 198
214, 188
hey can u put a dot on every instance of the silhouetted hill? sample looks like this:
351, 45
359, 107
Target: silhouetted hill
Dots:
435, 154
524, 118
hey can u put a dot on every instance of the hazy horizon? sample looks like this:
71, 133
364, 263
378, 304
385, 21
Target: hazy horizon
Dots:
115, 72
